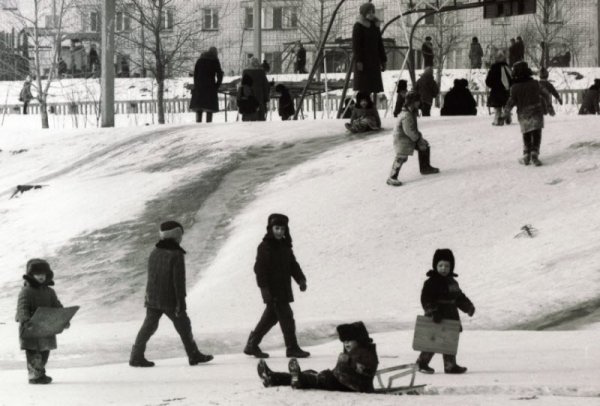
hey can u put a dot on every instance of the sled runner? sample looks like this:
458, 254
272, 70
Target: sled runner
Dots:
441, 338
392, 374
49, 321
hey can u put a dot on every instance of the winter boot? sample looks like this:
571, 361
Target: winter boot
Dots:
293, 350
137, 358
252, 347
199, 358
535, 160
424, 165
393, 182
294, 369
393, 179
451, 367
264, 373
526, 159
423, 363
42, 380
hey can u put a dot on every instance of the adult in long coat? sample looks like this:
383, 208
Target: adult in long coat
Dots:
475, 54
300, 65
428, 89
526, 94
427, 51
208, 76
260, 86
165, 294
591, 99
498, 80
369, 53
275, 267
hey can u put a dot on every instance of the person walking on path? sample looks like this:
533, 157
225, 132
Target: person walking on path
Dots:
427, 51
475, 54
25, 95
165, 294
260, 86
428, 89
300, 64
526, 93
208, 77
369, 53
275, 267
591, 99
499, 80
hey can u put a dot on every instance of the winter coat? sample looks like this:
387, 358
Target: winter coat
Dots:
513, 54
547, 97
406, 133
207, 79
260, 86
165, 289
591, 101
34, 295
247, 103
368, 116
519, 51
442, 294
25, 95
369, 52
475, 54
459, 102
526, 94
499, 88
427, 88
427, 51
286, 105
346, 371
275, 267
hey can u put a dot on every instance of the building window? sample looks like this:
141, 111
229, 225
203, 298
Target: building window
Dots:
290, 17
123, 22
267, 18
167, 19
95, 21
211, 19
249, 18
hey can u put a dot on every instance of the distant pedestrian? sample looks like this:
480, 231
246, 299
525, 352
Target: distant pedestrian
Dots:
369, 53
208, 77
520, 49
94, 61
513, 53
365, 116
165, 294
35, 293
475, 54
246, 101
591, 99
407, 138
499, 80
300, 64
401, 91
527, 94
459, 100
547, 100
265, 65
275, 267
286, 103
260, 86
427, 51
428, 89
25, 95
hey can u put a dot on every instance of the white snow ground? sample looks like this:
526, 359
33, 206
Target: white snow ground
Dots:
364, 246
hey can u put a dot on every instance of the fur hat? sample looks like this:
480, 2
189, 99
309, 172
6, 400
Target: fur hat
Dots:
170, 230
443, 254
277, 219
411, 97
354, 331
365, 8
521, 70
36, 265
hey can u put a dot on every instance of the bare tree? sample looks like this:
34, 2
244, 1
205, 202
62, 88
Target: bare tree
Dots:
43, 23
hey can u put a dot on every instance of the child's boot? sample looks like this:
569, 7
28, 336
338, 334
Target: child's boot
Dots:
252, 347
294, 369
526, 159
424, 162
42, 380
393, 179
137, 358
264, 373
535, 159
423, 363
451, 367
199, 358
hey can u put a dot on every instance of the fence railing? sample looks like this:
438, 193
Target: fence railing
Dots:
227, 104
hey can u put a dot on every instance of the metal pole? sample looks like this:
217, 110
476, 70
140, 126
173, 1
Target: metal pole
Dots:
341, 108
257, 23
107, 105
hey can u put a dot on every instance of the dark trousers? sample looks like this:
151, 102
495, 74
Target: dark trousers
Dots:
182, 325
208, 116
36, 363
425, 358
426, 109
309, 379
532, 141
277, 312
25, 105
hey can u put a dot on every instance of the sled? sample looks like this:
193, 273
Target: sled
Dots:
392, 374
441, 338
49, 321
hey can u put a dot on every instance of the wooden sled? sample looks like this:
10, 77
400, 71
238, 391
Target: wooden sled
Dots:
392, 374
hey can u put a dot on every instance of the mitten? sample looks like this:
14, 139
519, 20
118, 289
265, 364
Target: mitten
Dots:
471, 311
303, 286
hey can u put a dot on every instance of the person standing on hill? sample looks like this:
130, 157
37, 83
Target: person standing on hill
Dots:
499, 80
208, 77
165, 294
427, 51
369, 53
260, 86
475, 54
428, 89
275, 267
441, 299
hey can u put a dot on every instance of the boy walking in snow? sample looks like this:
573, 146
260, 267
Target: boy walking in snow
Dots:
441, 298
407, 138
353, 372
36, 292
165, 294
275, 267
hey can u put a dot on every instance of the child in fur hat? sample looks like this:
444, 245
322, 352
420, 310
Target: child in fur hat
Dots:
365, 116
354, 371
441, 298
36, 292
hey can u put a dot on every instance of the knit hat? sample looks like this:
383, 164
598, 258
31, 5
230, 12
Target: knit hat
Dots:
354, 331
543, 73
170, 230
443, 254
411, 97
365, 8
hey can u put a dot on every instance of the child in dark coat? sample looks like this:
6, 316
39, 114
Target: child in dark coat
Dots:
441, 298
286, 104
246, 100
547, 98
353, 372
365, 116
36, 292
